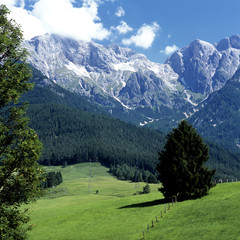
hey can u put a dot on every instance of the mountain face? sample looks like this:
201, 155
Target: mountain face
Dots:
94, 70
219, 115
203, 67
130, 86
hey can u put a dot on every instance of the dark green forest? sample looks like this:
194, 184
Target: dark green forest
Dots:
219, 119
52, 179
76, 136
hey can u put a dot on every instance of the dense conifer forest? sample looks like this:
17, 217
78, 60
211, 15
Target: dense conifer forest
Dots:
76, 136
52, 179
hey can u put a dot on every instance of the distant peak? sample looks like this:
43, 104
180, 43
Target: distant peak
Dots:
235, 41
224, 44
201, 43
231, 42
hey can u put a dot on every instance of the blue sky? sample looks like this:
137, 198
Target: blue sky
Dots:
153, 27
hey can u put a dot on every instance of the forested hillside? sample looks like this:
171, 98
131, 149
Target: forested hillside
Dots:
76, 136
73, 129
219, 115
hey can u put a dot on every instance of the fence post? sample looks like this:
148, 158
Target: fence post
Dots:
156, 219
148, 227
165, 209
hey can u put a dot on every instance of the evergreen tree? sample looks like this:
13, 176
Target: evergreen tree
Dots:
146, 189
181, 169
20, 174
52, 179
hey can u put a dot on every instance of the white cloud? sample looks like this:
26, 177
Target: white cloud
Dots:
123, 28
8, 3
30, 25
13, 3
60, 17
170, 50
144, 37
21, 3
120, 12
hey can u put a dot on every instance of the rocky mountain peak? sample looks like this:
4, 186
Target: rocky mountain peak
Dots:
231, 42
203, 67
235, 41
199, 48
224, 44
92, 69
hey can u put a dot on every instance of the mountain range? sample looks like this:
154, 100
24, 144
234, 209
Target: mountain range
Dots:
123, 80
203, 67
199, 82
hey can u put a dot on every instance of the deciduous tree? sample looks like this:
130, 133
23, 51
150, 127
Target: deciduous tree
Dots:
20, 174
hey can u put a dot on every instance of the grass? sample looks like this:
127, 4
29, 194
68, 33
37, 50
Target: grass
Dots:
213, 217
69, 212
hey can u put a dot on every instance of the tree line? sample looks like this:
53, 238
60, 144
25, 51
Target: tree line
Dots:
52, 179
74, 136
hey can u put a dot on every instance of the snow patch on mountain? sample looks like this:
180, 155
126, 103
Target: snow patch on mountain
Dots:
188, 98
127, 107
151, 120
124, 66
78, 70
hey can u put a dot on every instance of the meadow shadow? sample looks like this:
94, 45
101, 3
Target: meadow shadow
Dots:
146, 204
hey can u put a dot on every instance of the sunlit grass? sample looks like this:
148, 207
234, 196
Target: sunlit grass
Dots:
73, 210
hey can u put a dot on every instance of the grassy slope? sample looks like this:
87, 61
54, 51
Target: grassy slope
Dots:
213, 217
69, 212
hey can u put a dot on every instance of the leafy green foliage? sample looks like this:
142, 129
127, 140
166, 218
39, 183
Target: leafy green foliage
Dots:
20, 174
181, 169
12, 223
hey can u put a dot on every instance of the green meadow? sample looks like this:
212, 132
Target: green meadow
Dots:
73, 210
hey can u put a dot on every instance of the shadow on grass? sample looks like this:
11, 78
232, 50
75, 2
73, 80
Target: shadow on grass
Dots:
146, 204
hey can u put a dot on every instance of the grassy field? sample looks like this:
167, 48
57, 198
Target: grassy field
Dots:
72, 210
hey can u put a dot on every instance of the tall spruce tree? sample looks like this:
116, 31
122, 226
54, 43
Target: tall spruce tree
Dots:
20, 174
181, 169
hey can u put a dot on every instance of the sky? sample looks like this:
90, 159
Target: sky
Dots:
155, 28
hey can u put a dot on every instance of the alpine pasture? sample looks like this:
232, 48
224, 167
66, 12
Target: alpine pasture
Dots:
91, 204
